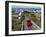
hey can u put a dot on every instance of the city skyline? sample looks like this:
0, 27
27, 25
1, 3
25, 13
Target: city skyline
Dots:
26, 8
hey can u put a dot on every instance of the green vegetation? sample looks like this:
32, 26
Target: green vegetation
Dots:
17, 23
36, 17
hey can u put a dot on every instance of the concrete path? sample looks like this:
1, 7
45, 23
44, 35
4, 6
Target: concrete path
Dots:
35, 26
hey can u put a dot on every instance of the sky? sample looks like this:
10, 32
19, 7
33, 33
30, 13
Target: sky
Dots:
14, 6
30, 8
